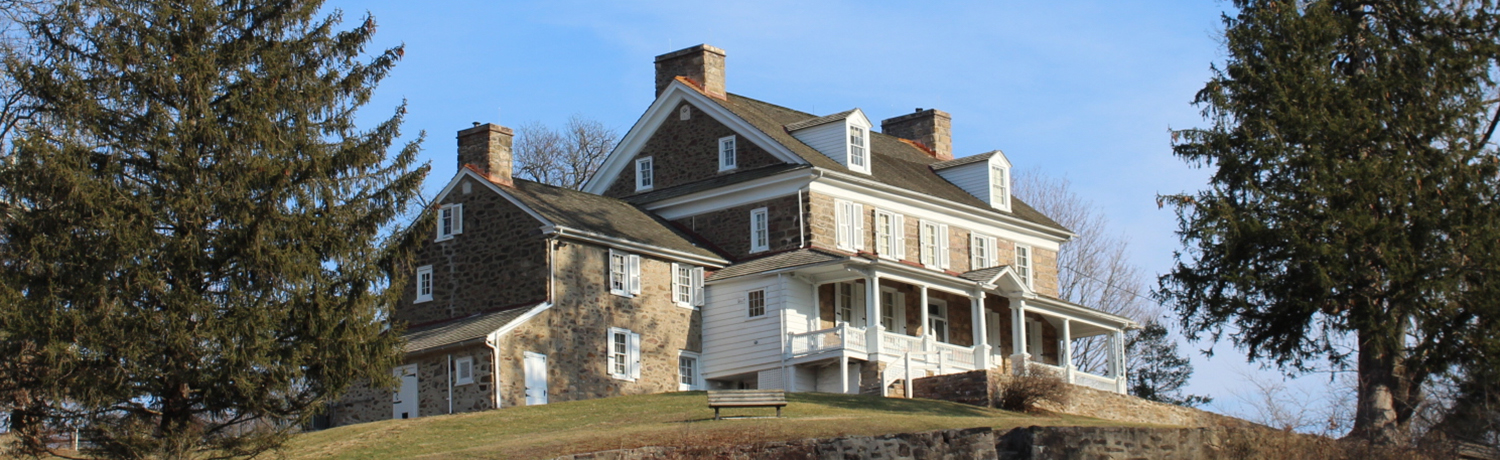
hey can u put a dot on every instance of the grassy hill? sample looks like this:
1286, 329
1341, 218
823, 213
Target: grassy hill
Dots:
653, 420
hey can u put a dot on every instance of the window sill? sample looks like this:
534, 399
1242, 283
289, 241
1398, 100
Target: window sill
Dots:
443, 238
622, 294
645, 189
685, 305
621, 377
421, 300
759, 250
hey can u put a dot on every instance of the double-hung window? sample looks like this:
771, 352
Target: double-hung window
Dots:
624, 273
463, 371
999, 187
981, 251
849, 220
858, 160
450, 221
728, 154
849, 304
645, 174
890, 237
624, 357
424, 283
760, 231
755, 303
1023, 264
687, 285
934, 239
688, 373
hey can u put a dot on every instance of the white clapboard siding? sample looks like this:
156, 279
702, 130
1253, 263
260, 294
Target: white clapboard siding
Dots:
805, 378
973, 178
832, 139
801, 313
734, 343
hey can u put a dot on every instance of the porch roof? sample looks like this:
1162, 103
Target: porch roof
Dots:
791, 259
453, 331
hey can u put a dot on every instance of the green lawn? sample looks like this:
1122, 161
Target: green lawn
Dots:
670, 419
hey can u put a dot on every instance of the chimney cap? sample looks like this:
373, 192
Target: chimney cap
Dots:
691, 50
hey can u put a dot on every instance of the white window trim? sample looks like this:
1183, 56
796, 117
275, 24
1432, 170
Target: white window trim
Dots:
424, 270
760, 231
1001, 202
458, 363
988, 259
694, 286
935, 256
897, 236
898, 310
1029, 276
632, 274
764, 311
456, 213
697, 371
632, 354
641, 182
734, 154
932, 317
856, 298
849, 148
849, 219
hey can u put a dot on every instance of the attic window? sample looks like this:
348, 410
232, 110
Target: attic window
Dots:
645, 174
728, 154
857, 157
999, 187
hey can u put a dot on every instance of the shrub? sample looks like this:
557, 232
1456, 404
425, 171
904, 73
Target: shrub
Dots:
1025, 393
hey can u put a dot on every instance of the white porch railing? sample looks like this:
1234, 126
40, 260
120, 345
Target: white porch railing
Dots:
957, 356
1094, 381
835, 338
894, 343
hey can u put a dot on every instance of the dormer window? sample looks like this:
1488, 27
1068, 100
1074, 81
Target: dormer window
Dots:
728, 154
1000, 187
858, 160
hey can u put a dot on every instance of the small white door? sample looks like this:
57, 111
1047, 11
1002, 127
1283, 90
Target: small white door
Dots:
404, 402
1034, 339
536, 378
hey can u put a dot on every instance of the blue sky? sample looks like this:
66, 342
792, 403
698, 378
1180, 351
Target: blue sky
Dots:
1085, 90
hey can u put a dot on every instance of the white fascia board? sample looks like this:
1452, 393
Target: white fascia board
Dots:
849, 187
726, 197
660, 110
858, 118
631, 246
999, 157
494, 337
1080, 313
466, 172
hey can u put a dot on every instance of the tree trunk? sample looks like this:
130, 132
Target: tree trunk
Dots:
1382, 389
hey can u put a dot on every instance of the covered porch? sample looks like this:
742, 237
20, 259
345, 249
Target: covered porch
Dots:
898, 322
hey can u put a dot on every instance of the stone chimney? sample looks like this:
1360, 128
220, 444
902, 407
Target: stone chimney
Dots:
486, 147
703, 64
932, 128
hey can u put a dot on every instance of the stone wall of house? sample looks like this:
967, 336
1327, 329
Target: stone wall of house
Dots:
365, 403
574, 332
729, 229
686, 151
983, 387
498, 261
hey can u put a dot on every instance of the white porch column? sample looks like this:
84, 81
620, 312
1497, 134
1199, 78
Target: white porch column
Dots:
844, 373
981, 336
1065, 348
1018, 334
1117, 360
926, 321
872, 315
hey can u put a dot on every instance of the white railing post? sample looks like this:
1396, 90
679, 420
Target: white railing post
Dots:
907, 384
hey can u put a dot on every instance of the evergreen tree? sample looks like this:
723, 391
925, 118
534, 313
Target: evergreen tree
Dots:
1353, 211
199, 246
1158, 372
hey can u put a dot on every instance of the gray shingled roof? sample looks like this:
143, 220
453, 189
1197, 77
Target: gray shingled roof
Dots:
458, 330
714, 182
798, 258
963, 161
605, 216
983, 274
894, 162
823, 120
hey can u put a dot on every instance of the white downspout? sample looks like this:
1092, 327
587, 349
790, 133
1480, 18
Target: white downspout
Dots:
450, 383
493, 342
801, 222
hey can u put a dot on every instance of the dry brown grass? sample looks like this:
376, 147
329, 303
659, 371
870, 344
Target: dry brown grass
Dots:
673, 419
1281, 445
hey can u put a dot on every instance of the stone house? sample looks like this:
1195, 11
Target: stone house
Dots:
732, 243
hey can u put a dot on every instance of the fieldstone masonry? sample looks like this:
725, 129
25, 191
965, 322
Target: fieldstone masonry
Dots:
729, 229
686, 151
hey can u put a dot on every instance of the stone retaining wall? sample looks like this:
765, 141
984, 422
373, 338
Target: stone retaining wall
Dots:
982, 388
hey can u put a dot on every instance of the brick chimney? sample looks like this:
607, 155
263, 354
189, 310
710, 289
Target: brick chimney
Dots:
932, 128
486, 147
704, 64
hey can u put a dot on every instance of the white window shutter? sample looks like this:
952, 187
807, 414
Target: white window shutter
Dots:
458, 218
942, 236
861, 310
609, 351
635, 355
857, 223
898, 235
698, 286
634, 269
841, 223
924, 233
994, 247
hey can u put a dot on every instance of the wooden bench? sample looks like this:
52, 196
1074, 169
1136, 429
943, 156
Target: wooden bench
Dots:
746, 398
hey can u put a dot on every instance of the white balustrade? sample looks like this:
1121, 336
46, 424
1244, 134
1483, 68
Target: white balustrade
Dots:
841, 337
1094, 381
895, 344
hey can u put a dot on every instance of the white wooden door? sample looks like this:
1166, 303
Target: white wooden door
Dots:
404, 402
536, 378
992, 330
